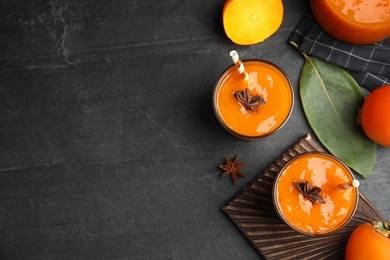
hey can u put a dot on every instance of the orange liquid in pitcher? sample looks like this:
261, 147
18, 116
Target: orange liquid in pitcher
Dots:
326, 173
354, 21
265, 80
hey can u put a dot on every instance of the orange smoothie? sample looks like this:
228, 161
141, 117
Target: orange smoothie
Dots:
354, 21
267, 81
325, 172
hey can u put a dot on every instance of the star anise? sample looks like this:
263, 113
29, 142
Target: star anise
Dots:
249, 101
233, 168
308, 191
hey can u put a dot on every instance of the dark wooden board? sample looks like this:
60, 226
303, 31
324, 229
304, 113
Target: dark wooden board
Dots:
254, 214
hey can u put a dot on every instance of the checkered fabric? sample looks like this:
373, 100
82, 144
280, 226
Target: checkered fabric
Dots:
368, 64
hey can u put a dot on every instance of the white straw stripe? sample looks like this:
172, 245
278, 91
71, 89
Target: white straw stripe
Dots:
240, 66
234, 56
349, 185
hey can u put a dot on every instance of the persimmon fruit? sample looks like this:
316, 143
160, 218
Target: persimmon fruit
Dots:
375, 115
248, 22
369, 241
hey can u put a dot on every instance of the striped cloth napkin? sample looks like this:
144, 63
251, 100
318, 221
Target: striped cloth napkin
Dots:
368, 64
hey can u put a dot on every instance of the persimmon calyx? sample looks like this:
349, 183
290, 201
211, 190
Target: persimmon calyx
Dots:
382, 228
359, 117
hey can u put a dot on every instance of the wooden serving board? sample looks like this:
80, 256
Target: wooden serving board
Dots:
253, 212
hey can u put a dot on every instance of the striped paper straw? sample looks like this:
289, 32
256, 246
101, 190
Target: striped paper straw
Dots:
240, 66
349, 185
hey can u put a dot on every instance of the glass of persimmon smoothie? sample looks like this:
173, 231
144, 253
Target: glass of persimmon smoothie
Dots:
315, 194
254, 107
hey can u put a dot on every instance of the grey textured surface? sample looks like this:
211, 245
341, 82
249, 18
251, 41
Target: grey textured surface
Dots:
109, 145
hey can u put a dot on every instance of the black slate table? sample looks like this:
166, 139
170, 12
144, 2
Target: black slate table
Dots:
109, 144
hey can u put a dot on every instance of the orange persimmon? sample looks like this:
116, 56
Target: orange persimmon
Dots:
352, 21
369, 241
375, 115
248, 22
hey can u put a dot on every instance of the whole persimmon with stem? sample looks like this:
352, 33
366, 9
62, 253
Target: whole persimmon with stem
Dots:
375, 115
247, 22
369, 241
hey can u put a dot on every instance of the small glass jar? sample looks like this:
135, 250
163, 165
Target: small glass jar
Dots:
329, 174
265, 80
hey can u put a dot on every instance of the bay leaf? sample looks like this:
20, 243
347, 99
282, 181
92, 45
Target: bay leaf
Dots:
331, 99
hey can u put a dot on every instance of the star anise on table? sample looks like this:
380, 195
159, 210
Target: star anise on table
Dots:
310, 192
249, 101
233, 168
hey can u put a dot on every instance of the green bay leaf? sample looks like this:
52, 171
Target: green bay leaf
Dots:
331, 99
